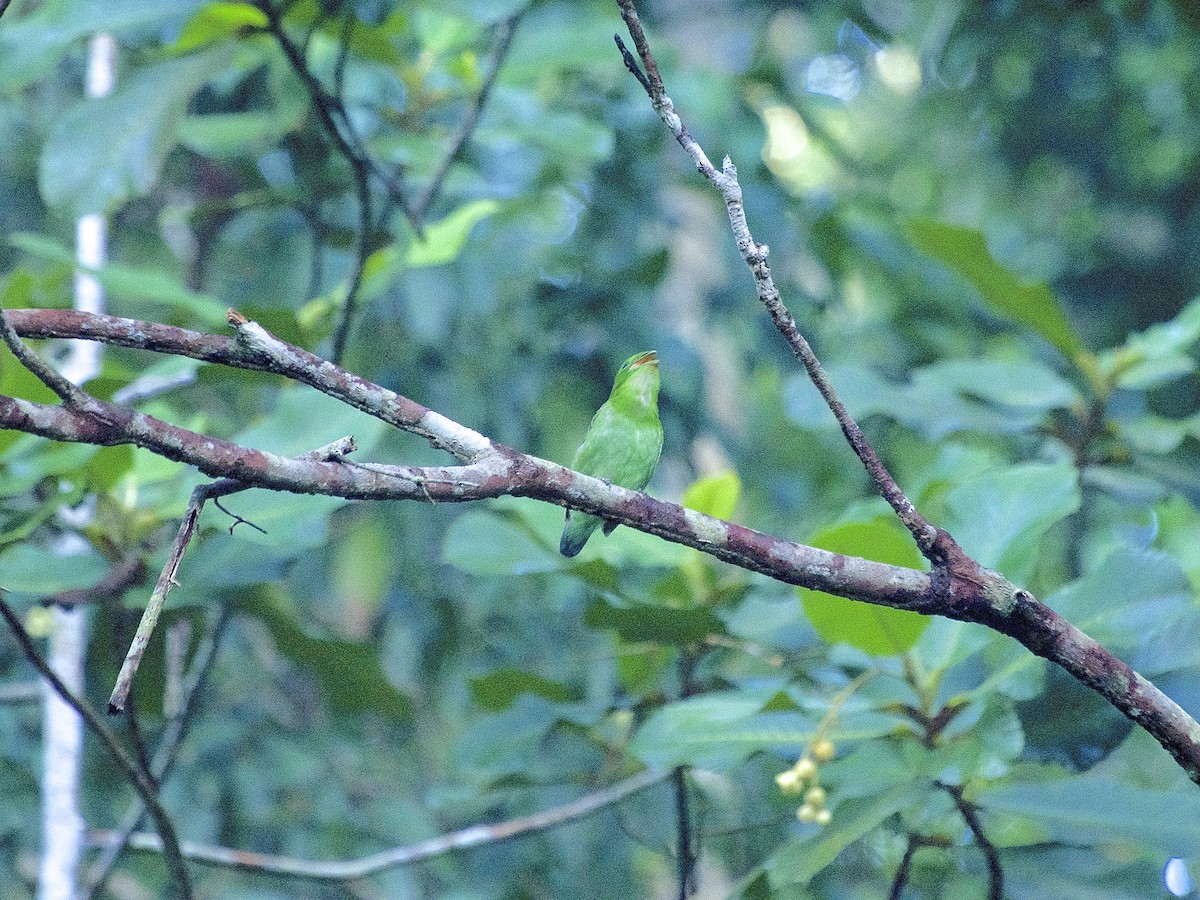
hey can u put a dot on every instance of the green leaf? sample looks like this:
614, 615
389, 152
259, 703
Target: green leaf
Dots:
719, 730
645, 622
444, 240
988, 395
520, 537
1138, 603
106, 151
715, 496
798, 862
999, 517
1096, 810
32, 569
498, 690
965, 250
32, 459
484, 543
1157, 355
215, 21
237, 134
349, 672
32, 45
877, 630
130, 282
108, 466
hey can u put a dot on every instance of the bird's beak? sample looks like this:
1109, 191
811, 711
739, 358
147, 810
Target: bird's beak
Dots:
650, 357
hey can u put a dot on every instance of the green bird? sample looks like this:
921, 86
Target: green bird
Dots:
622, 444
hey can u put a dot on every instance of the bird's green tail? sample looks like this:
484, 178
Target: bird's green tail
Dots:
576, 532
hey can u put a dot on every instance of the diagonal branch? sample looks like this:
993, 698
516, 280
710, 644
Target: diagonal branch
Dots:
346, 870
141, 782
505, 32
331, 111
166, 579
990, 854
962, 590
166, 753
935, 544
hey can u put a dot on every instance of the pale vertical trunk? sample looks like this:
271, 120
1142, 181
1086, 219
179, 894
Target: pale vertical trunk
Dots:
63, 827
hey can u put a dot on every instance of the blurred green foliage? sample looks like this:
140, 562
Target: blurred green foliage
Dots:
983, 216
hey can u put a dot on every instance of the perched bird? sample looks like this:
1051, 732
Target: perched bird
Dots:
622, 444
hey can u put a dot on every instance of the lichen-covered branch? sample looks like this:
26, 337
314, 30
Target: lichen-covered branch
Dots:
960, 589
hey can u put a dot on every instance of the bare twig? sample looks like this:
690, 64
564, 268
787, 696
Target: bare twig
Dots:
935, 544
166, 754
505, 32
237, 520
135, 776
963, 590
20, 692
45, 373
900, 881
330, 109
116, 581
166, 579
990, 854
345, 870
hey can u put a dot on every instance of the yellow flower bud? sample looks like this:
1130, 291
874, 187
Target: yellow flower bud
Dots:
815, 797
789, 782
823, 750
807, 814
804, 768
824, 817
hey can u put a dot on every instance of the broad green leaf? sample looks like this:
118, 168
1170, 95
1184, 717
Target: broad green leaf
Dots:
715, 496
1151, 433
483, 543
108, 466
498, 690
131, 282
1032, 305
719, 730
799, 861
106, 151
987, 395
1139, 604
516, 741
348, 671
877, 630
1000, 516
1093, 810
304, 419
444, 240
32, 459
33, 44
30, 569
215, 21
519, 537
237, 134
1157, 355
636, 622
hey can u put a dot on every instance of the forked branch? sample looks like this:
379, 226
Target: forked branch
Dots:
961, 590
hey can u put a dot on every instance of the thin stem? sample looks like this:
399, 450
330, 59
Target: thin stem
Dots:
45, 373
901, 879
990, 854
347, 870
165, 755
930, 540
135, 776
505, 32
167, 580
683, 827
